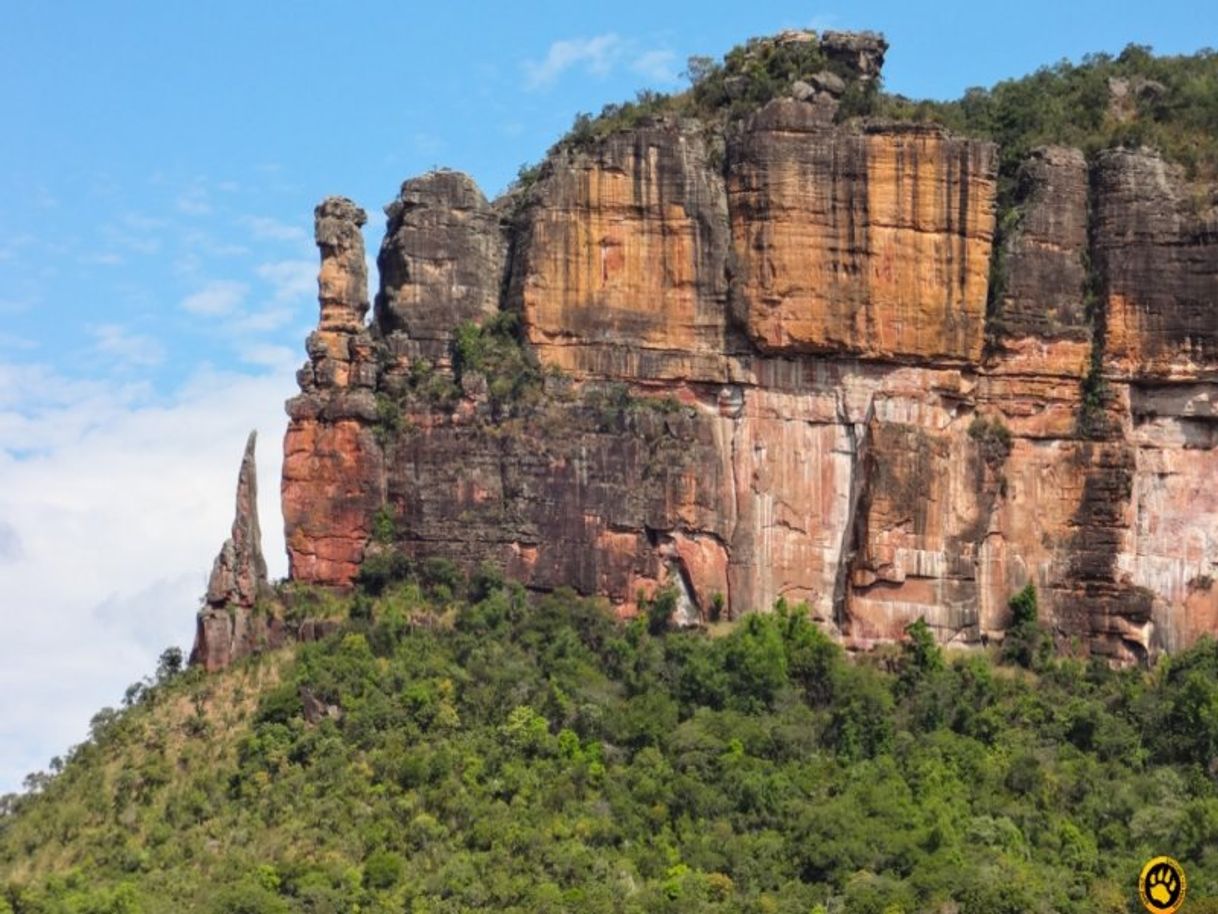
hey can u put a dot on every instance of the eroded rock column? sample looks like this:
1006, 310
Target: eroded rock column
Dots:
332, 464
229, 625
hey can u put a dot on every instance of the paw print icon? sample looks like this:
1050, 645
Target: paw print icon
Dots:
1162, 885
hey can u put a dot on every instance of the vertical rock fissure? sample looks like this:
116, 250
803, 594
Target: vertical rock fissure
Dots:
857, 487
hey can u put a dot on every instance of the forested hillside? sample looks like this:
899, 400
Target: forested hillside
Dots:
457, 746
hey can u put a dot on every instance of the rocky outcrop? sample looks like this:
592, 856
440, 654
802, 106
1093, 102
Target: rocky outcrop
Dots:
238, 576
754, 364
332, 468
862, 53
232, 623
1043, 279
441, 263
1156, 253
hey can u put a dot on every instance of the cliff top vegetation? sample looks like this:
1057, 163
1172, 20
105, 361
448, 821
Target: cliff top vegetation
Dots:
1132, 99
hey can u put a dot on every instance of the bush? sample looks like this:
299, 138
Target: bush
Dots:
993, 439
380, 570
383, 870
384, 528
1026, 642
495, 351
659, 609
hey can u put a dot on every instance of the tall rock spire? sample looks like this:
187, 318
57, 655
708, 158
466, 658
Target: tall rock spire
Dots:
229, 626
239, 572
343, 280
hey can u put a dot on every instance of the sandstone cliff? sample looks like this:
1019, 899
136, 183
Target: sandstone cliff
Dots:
753, 359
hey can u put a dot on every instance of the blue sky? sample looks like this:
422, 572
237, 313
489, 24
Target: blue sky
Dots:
158, 174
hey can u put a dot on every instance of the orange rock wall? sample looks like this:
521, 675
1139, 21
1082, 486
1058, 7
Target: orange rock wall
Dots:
874, 242
834, 428
620, 270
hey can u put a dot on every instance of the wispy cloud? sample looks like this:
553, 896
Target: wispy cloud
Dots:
291, 280
261, 321
130, 349
188, 264
205, 242
10, 543
659, 66
12, 341
427, 143
217, 298
193, 201
11, 306
139, 222
137, 237
599, 56
596, 55
103, 259
268, 355
265, 228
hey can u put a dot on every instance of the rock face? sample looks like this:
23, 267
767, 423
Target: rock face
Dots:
1045, 281
229, 625
441, 263
872, 243
619, 266
1157, 254
761, 365
238, 576
332, 464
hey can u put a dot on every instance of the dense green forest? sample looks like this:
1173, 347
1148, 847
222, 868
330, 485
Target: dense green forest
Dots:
460, 746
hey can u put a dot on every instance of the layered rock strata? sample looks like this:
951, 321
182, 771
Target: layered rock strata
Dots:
763, 367
871, 242
333, 470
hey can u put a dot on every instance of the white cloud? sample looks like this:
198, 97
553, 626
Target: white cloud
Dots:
13, 244
114, 502
107, 259
133, 237
596, 55
203, 241
130, 349
141, 223
265, 228
193, 201
291, 280
267, 319
187, 264
217, 298
660, 66
265, 355
10, 543
12, 341
11, 306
